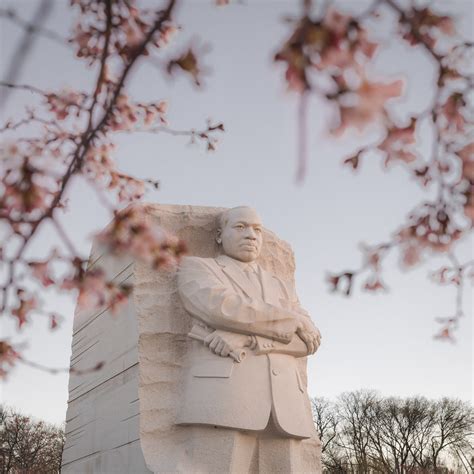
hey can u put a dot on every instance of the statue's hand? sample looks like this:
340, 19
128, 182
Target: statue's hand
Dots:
223, 343
301, 311
309, 333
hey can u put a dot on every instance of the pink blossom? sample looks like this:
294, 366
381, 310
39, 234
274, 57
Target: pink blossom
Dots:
41, 272
467, 152
63, 103
134, 36
133, 234
98, 162
373, 255
336, 56
468, 170
8, 357
295, 78
118, 297
91, 286
411, 254
150, 116
469, 212
24, 196
469, 204
375, 284
129, 188
367, 47
166, 34
81, 37
53, 321
336, 21
446, 25
26, 304
453, 113
467, 156
445, 334
162, 107
440, 275
397, 144
341, 282
375, 94
153, 110
372, 97
187, 62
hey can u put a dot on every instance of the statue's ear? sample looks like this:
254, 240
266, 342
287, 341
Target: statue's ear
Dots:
218, 236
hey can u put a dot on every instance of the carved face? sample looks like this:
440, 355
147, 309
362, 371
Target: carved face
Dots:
241, 234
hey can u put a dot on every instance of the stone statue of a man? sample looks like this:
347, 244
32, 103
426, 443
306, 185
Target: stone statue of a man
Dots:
243, 397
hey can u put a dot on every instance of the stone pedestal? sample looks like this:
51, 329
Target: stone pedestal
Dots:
121, 419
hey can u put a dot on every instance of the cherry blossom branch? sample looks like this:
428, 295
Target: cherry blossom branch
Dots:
91, 132
10, 355
103, 61
9, 126
405, 19
193, 134
329, 56
343, 282
303, 134
109, 32
25, 87
456, 275
57, 370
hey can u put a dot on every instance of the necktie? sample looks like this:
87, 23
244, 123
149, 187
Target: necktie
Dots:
254, 279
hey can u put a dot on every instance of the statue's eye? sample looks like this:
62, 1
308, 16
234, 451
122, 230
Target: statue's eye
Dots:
239, 226
258, 230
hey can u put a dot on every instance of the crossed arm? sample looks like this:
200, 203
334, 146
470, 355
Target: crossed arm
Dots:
209, 299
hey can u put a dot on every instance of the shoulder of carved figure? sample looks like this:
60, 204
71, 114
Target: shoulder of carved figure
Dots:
192, 262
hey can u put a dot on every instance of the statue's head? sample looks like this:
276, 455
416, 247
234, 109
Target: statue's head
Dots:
239, 233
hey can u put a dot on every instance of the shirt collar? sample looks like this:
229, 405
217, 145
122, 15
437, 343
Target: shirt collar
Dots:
245, 266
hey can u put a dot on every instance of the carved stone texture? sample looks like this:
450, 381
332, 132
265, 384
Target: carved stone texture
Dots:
163, 325
122, 418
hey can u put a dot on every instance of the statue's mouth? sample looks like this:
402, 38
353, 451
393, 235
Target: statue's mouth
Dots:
249, 246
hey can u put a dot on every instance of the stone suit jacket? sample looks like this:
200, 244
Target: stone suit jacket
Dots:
221, 392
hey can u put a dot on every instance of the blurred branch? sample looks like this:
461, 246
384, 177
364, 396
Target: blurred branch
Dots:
329, 56
24, 46
35, 28
193, 134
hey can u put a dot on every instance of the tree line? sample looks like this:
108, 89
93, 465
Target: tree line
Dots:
364, 432
361, 432
29, 446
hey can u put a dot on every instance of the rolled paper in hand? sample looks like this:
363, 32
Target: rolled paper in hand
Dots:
199, 334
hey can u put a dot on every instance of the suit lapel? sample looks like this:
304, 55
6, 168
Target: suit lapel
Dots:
271, 289
234, 272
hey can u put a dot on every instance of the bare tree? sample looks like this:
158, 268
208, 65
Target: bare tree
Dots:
29, 446
364, 432
355, 411
325, 421
454, 423
401, 431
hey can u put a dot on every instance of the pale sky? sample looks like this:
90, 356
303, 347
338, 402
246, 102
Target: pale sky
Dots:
382, 342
